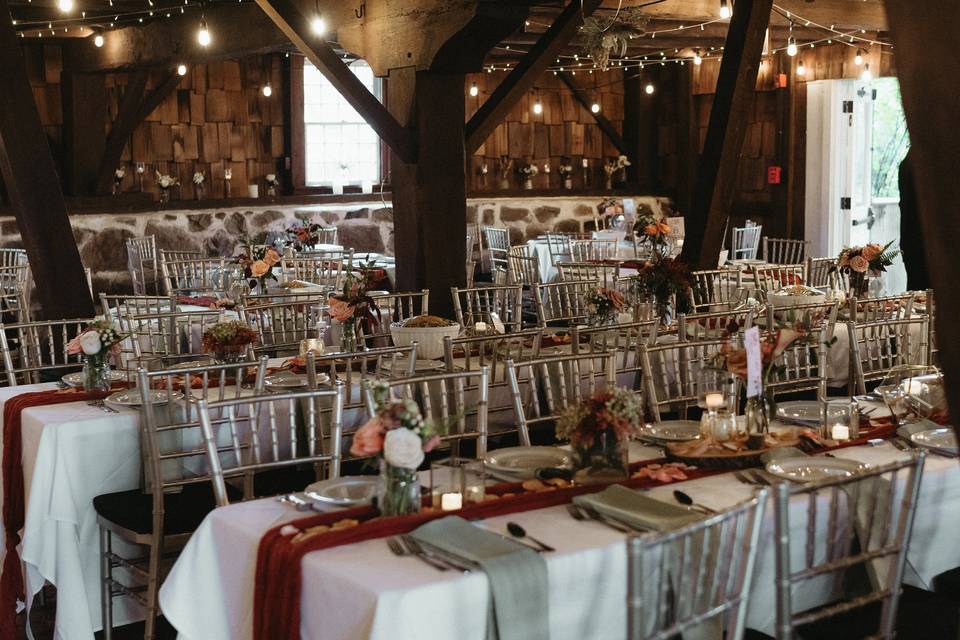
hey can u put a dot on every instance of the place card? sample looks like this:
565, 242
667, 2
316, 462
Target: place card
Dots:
751, 342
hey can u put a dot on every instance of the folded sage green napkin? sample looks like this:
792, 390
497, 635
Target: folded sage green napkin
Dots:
908, 430
639, 510
517, 575
781, 453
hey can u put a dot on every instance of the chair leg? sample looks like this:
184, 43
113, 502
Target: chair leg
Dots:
152, 593
106, 589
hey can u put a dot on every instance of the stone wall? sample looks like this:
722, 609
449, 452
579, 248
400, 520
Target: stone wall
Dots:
367, 226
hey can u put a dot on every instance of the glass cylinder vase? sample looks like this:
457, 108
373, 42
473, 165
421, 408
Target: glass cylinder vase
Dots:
760, 412
398, 490
602, 460
348, 335
96, 373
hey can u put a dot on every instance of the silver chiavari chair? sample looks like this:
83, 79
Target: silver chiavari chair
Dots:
605, 275
330, 273
878, 346
459, 400
470, 264
562, 303
680, 579
524, 266
175, 255
35, 352
886, 308
281, 326
712, 325
818, 315
121, 306
622, 340
784, 250
479, 304
328, 235
200, 275
343, 256
820, 273
10, 257
670, 373
932, 348
828, 529
173, 333
496, 241
396, 307
306, 295
801, 367
178, 477
589, 250
775, 277
142, 265
558, 244
715, 287
15, 282
745, 241
545, 388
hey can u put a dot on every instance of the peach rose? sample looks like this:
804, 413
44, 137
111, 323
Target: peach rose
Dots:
271, 257
871, 252
368, 439
859, 264
340, 310
651, 229
259, 268
664, 228
737, 362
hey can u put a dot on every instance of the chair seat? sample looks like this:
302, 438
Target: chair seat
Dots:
275, 482
183, 512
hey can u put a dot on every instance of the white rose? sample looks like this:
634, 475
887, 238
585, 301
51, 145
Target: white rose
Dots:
90, 343
271, 177
403, 448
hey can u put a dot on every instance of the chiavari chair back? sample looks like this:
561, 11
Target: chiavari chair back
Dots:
605, 275
306, 295
772, 278
670, 372
820, 273
142, 265
491, 351
15, 292
173, 333
590, 250
395, 307
458, 400
10, 257
343, 256
545, 388
322, 271
469, 264
558, 244
497, 244
801, 367
885, 308
328, 235
715, 287
482, 304
784, 250
178, 480
524, 267
281, 326
36, 352
679, 579
121, 306
622, 340
878, 346
175, 255
745, 242
194, 276
933, 351
819, 315
830, 529
562, 303
712, 325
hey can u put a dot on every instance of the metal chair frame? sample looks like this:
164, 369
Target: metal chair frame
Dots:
714, 287
562, 302
200, 275
878, 346
745, 242
477, 304
784, 250
141, 256
686, 358
31, 348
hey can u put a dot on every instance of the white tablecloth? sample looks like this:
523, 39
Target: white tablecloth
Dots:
363, 591
549, 273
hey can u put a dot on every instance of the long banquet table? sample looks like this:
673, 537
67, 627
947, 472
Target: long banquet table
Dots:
364, 591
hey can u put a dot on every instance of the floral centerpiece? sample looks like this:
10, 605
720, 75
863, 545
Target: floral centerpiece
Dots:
598, 430
399, 436
665, 280
527, 173
654, 231
228, 341
860, 262
613, 166
272, 183
603, 306
566, 173
353, 305
257, 265
118, 176
199, 184
611, 210
504, 167
95, 343
302, 236
166, 182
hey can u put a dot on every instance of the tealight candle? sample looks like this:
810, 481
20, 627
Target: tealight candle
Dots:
840, 432
713, 400
586, 163
480, 327
451, 501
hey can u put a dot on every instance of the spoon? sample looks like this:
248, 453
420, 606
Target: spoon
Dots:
687, 501
519, 532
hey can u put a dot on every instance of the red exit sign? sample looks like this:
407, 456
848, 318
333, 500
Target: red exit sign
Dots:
773, 175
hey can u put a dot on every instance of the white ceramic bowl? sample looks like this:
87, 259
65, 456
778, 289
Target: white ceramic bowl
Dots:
780, 300
429, 339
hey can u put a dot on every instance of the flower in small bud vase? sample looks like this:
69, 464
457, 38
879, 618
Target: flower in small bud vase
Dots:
199, 184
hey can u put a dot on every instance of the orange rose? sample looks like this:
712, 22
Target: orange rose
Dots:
871, 252
737, 362
651, 229
859, 264
340, 310
664, 228
368, 439
259, 268
271, 257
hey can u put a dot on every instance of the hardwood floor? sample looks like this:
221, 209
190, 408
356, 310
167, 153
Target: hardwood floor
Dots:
42, 620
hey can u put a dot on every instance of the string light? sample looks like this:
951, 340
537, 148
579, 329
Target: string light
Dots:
98, 41
801, 70
697, 58
595, 107
474, 90
203, 35
866, 75
724, 9
65, 6
267, 90
791, 46
648, 89
538, 106
318, 25
858, 59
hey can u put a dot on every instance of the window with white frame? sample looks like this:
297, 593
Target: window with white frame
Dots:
340, 147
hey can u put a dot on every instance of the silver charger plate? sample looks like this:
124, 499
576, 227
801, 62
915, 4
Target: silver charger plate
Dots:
132, 398
288, 380
805, 412
809, 469
942, 440
523, 462
75, 379
346, 491
670, 431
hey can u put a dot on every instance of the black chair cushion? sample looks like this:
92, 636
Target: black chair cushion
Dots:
277, 482
182, 513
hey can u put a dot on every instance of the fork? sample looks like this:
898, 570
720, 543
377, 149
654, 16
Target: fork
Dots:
399, 550
450, 560
583, 513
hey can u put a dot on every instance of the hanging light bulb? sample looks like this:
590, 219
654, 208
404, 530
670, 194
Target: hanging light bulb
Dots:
791, 46
474, 90
858, 59
267, 90
648, 89
724, 9
866, 75
203, 35
66, 6
801, 70
595, 107
318, 25
181, 70
538, 107
98, 41
697, 58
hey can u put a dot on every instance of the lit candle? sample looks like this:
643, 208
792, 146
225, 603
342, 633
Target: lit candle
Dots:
714, 400
480, 327
586, 163
451, 501
840, 432
546, 168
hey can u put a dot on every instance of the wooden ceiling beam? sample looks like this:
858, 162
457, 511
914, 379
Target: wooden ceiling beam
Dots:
717, 172
296, 26
526, 73
866, 14
605, 125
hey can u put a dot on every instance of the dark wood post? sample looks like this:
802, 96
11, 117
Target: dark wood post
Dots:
34, 190
84, 106
640, 111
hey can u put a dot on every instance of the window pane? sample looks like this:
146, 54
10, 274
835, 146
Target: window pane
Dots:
890, 138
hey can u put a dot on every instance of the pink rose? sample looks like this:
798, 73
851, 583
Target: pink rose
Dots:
368, 439
431, 444
859, 264
340, 310
871, 252
73, 347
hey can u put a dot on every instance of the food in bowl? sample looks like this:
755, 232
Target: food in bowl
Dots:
427, 331
425, 321
798, 290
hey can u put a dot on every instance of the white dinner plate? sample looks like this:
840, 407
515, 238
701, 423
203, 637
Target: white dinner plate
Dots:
76, 379
346, 491
671, 431
132, 398
942, 440
419, 365
809, 469
523, 462
288, 380
805, 412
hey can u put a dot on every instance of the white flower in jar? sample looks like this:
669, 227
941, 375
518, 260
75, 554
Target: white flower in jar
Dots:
403, 448
90, 343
